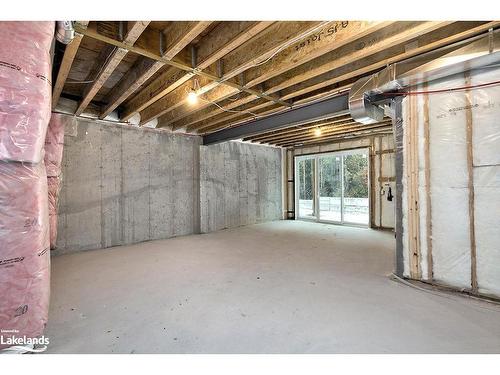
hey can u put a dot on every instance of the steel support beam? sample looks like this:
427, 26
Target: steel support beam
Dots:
331, 107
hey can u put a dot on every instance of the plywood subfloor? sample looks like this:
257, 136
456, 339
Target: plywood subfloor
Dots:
280, 287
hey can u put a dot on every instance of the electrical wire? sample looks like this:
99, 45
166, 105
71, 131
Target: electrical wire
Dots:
230, 110
100, 70
75, 82
196, 87
461, 88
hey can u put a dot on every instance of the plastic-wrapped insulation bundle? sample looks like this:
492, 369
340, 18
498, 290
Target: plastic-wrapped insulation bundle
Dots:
54, 143
54, 186
24, 250
25, 89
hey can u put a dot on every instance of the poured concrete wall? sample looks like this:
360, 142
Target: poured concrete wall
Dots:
240, 185
123, 185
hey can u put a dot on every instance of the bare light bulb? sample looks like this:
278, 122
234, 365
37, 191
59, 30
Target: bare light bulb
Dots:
192, 97
317, 132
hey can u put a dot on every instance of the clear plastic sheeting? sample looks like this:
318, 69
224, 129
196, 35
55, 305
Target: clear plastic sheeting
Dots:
486, 157
25, 89
54, 187
459, 178
24, 249
449, 193
54, 143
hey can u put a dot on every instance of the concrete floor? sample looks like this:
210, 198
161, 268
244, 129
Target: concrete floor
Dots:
281, 287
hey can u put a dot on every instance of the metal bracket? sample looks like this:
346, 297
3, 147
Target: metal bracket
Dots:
163, 43
121, 30
194, 56
220, 68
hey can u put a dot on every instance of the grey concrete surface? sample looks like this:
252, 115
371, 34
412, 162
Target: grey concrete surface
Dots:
240, 184
124, 185
278, 287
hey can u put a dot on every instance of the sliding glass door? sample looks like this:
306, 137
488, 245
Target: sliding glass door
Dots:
356, 199
330, 188
306, 176
333, 187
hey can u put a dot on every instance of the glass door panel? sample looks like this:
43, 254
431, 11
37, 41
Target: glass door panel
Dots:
330, 188
306, 188
355, 197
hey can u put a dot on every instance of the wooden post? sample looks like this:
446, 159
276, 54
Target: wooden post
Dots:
428, 216
470, 163
372, 183
380, 184
412, 187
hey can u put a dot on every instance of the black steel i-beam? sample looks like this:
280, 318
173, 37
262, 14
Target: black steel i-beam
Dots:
324, 109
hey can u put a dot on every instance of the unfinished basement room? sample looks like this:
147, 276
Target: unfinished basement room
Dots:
246, 187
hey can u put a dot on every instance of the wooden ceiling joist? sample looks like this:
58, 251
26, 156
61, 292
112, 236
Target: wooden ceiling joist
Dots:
155, 56
208, 52
108, 61
241, 70
240, 119
178, 35
330, 36
264, 137
327, 131
224, 107
383, 55
67, 61
351, 136
397, 33
312, 139
243, 113
264, 45
349, 52
388, 55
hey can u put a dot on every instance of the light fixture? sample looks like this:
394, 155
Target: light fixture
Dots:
192, 97
317, 132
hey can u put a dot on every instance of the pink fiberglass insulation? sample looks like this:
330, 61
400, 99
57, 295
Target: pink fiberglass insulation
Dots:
54, 142
24, 250
54, 186
25, 89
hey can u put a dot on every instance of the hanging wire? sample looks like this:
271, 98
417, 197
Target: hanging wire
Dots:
230, 110
196, 87
453, 89
100, 70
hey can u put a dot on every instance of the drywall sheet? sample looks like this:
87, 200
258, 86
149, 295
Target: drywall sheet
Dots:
240, 185
124, 185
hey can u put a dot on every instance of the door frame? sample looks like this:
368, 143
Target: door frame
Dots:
316, 157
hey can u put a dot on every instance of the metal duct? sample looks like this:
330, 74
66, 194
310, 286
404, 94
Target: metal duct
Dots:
65, 32
367, 93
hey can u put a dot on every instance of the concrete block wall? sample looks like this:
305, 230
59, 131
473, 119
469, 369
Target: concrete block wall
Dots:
123, 185
240, 184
